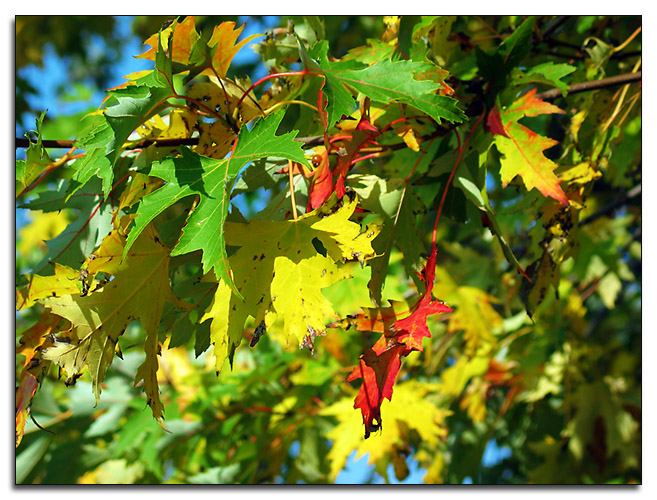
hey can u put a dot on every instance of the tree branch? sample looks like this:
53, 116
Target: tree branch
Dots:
612, 81
619, 202
193, 141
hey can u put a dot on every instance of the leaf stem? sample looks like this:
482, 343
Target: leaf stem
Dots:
449, 181
291, 101
269, 77
53, 166
295, 215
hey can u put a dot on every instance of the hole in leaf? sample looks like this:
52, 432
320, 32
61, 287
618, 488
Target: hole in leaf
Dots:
319, 246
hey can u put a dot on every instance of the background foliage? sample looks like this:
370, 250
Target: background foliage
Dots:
540, 355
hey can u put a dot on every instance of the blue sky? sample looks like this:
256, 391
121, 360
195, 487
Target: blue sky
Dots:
53, 75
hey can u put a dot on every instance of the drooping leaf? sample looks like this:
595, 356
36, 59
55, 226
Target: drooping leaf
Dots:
379, 366
138, 291
479, 197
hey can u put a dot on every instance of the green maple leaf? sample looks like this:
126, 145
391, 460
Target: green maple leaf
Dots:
130, 106
547, 73
384, 81
212, 179
279, 272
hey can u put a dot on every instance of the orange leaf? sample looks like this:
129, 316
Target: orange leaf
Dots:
523, 155
184, 37
223, 40
522, 149
529, 105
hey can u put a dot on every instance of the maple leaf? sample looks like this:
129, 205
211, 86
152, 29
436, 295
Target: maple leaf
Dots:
33, 368
409, 410
138, 291
212, 179
63, 282
290, 274
378, 367
547, 73
129, 106
188, 49
224, 45
180, 35
384, 81
522, 149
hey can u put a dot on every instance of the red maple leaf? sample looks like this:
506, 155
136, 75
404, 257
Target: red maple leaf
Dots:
494, 122
322, 186
379, 366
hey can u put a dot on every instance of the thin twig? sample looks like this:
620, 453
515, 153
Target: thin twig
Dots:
610, 208
612, 81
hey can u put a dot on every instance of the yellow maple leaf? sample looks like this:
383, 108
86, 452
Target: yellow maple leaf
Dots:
409, 409
138, 291
280, 273
472, 312
65, 281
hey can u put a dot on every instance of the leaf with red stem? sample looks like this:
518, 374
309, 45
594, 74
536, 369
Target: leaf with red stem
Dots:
322, 186
378, 367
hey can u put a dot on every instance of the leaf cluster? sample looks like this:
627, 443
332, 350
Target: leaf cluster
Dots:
390, 244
